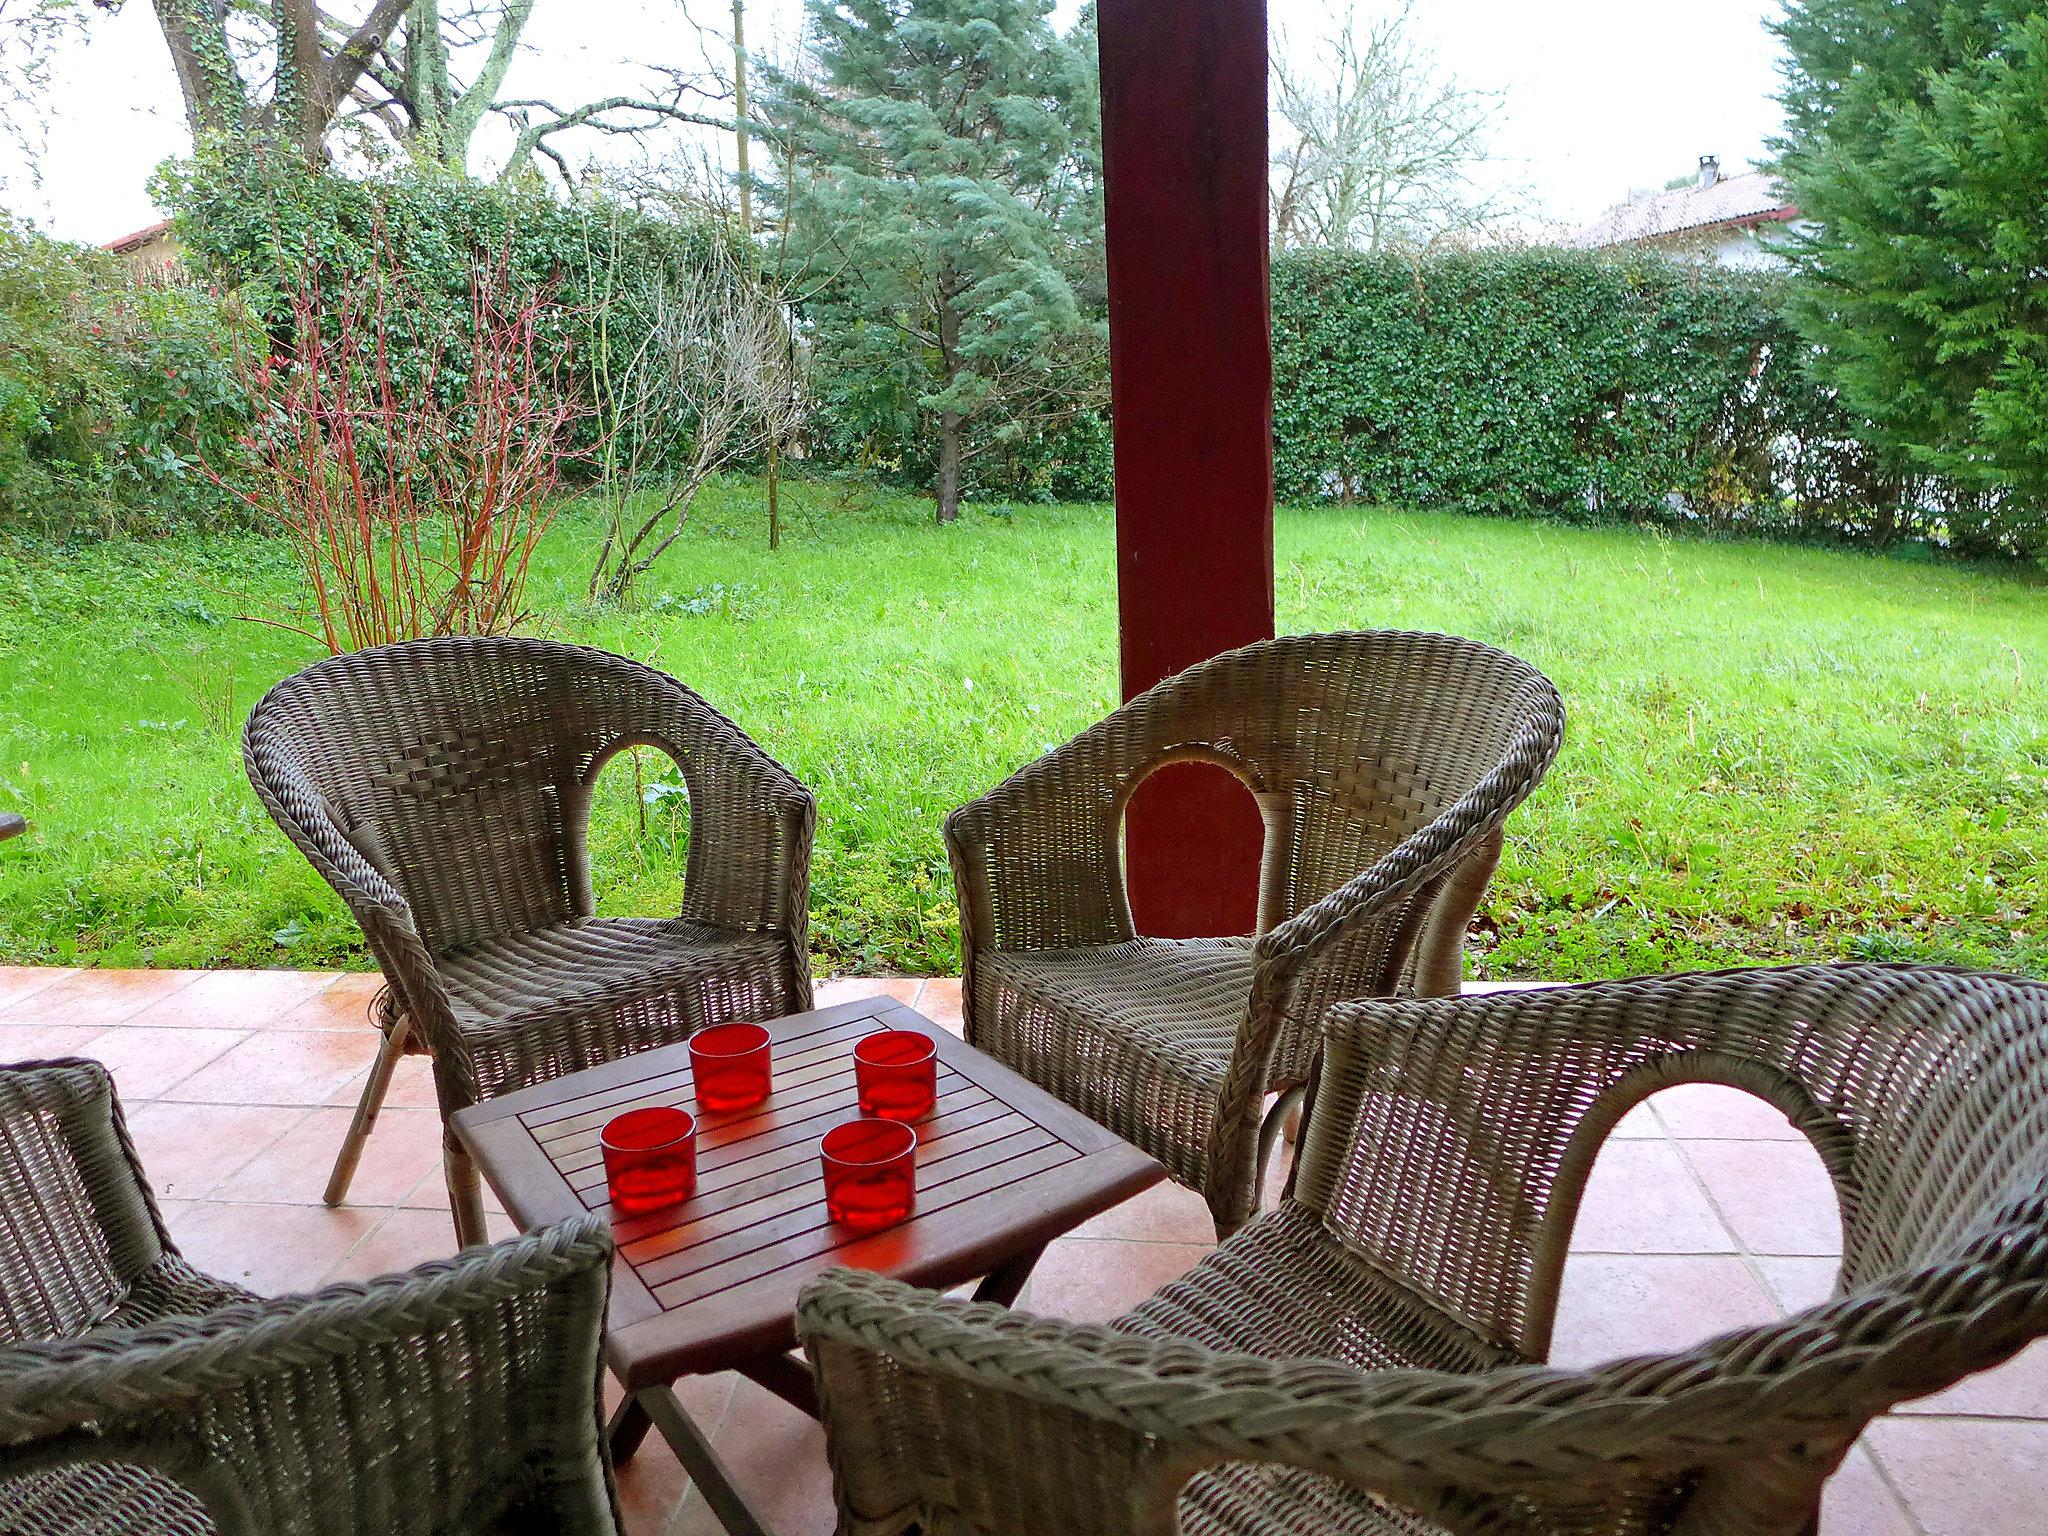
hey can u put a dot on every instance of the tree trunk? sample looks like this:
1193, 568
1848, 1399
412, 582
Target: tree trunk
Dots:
774, 493
949, 466
215, 97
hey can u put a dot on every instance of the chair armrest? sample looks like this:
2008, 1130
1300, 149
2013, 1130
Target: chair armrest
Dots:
1352, 943
1031, 1426
751, 821
1035, 860
86, 1228
476, 1378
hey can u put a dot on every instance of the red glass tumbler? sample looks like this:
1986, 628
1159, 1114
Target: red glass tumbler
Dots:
897, 1073
730, 1065
870, 1172
650, 1158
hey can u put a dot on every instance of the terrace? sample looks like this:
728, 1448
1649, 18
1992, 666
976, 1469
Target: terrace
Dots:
1705, 1213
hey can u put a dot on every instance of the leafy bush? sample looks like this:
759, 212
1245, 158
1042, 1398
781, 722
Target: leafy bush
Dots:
113, 386
255, 224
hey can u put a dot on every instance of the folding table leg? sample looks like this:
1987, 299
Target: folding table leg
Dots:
694, 1451
1005, 1284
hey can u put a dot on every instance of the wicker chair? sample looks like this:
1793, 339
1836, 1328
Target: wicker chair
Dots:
1364, 1359
1385, 766
138, 1397
443, 788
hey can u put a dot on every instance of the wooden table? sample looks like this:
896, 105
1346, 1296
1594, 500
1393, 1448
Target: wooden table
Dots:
711, 1285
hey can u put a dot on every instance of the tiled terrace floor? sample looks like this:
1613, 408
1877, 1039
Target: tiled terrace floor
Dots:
1705, 1212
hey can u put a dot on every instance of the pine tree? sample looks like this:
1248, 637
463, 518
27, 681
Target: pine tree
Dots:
938, 179
1917, 144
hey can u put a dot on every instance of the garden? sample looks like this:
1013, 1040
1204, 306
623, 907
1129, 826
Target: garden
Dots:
1773, 751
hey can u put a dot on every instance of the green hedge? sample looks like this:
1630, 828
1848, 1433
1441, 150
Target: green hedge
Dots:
112, 387
1566, 384
258, 225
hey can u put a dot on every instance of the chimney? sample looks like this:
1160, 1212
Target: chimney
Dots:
1710, 170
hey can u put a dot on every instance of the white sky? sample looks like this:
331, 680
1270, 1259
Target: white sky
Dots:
1602, 96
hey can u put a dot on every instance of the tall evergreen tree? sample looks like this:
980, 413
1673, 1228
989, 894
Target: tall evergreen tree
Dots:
1917, 144
939, 183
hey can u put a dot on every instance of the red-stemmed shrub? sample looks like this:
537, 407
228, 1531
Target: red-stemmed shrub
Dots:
414, 474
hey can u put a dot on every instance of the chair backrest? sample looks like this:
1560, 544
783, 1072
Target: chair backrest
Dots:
1451, 1141
76, 1221
461, 768
461, 1397
1349, 742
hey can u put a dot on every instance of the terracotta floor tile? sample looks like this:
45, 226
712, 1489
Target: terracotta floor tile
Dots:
235, 999
400, 1241
776, 1457
1634, 1304
1639, 1124
1775, 1195
1640, 1199
403, 1149
97, 997
653, 1485
40, 1042
1799, 1283
188, 1149
283, 1067
1966, 1477
343, 1003
1165, 1213
1708, 1110
1090, 1280
1858, 1502
431, 1193
847, 989
940, 1002
412, 1085
148, 1062
270, 1248
18, 982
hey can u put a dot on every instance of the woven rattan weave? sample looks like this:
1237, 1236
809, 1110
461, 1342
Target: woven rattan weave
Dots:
1362, 1359
140, 1398
443, 788
1385, 766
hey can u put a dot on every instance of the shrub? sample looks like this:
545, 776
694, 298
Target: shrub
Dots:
112, 387
255, 224
413, 482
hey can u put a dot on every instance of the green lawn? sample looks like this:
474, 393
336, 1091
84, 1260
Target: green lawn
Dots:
1772, 752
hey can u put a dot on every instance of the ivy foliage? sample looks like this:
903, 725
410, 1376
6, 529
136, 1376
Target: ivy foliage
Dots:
261, 224
112, 385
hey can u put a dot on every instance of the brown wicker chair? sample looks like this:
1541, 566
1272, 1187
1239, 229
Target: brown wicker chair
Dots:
138, 1397
1363, 1359
443, 787
1385, 766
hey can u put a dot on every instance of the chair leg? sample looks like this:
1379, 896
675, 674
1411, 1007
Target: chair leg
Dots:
372, 1101
465, 1193
1278, 1119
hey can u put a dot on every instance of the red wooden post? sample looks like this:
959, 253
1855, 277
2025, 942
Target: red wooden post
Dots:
1191, 379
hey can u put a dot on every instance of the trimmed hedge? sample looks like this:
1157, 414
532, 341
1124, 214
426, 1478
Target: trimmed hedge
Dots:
1566, 384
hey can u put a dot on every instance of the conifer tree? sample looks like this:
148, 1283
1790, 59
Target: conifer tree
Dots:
940, 195
1917, 145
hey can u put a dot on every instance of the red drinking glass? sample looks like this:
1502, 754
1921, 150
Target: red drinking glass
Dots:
730, 1065
870, 1175
650, 1158
897, 1073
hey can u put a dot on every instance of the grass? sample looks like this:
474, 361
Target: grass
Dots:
1773, 752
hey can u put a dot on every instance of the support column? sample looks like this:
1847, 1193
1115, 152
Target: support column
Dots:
1191, 381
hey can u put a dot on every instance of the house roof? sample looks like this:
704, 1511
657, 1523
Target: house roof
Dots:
1739, 201
140, 237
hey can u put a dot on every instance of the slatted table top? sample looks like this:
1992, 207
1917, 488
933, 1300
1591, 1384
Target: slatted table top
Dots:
1002, 1167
